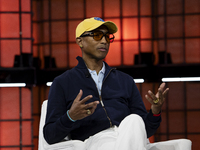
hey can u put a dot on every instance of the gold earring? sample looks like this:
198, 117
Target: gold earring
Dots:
81, 46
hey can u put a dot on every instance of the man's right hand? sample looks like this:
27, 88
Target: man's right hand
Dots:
79, 109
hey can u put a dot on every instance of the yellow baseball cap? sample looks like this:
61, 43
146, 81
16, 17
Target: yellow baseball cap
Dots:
93, 23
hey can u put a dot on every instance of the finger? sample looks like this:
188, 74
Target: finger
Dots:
93, 108
149, 99
160, 96
78, 97
162, 87
165, 92
88, 112
86, 99
91, 105
152, 95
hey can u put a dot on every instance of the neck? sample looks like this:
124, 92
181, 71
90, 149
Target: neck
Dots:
93, 64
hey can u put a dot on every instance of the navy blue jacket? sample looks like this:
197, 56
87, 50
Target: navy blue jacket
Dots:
119, 95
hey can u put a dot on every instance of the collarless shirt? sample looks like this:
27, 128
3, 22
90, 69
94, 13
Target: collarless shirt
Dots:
98, 78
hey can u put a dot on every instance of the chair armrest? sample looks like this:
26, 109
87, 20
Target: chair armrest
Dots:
66, 145
179, 144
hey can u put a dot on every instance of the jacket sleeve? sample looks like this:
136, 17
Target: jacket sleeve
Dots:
57, 125
137, 107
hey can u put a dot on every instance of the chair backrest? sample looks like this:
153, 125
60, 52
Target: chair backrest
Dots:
67, 145
41, 125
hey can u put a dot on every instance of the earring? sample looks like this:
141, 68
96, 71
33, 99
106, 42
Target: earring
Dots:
81, 46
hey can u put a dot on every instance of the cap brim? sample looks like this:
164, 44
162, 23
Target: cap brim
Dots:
111, 26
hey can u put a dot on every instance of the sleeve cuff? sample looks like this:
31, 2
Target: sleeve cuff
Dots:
154, 117
66, 122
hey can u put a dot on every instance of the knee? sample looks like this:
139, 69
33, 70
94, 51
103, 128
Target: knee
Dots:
134, 118
134, 123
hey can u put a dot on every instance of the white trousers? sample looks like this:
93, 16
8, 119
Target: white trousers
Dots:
130, 135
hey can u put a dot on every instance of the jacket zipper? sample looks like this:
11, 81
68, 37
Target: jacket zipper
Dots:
101, 101
105, 110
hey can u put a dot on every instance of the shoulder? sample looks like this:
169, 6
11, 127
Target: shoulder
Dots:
64, 77
66, 74
116, 72
123, 75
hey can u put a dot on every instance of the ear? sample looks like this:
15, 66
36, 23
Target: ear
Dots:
79, 42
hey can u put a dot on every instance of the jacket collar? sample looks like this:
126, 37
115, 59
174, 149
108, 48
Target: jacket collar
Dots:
82, 65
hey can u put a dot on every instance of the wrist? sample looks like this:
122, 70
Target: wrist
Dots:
156, 114
70, 117
155, 109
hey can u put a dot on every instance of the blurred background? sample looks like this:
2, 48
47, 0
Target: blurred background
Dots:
156, 39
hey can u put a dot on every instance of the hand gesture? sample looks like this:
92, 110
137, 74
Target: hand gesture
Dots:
158, 99
79, 109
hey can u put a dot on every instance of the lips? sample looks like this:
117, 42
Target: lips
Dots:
103, 49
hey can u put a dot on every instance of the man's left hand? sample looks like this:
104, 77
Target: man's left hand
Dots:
158, 99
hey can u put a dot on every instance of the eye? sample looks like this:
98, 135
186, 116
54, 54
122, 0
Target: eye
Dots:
108, 35
98, 34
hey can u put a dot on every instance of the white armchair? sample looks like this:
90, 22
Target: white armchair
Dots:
65, 145
180, 144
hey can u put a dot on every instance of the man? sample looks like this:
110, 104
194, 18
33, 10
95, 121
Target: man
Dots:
98, 104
